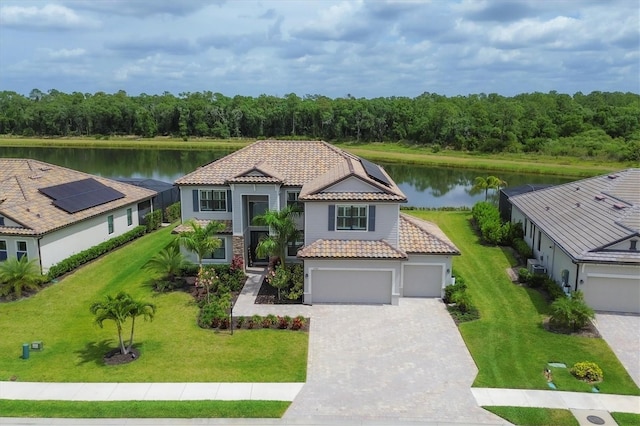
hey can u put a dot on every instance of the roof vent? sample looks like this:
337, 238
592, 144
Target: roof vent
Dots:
577, 204
612, 176
600, 197
547, 208
577, 188
619, 206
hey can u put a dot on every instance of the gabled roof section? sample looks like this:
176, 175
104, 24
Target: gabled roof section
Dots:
585, 216
352, 167
261, 172
294, 163
421, 237
22, 182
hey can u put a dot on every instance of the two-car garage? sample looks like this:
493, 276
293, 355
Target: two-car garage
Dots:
351, 286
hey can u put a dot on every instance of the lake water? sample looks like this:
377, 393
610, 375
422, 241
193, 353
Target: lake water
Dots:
424, 186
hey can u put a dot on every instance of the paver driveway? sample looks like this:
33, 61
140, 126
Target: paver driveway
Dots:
388, 362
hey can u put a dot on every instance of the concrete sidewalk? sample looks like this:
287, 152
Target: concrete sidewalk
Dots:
40, 391
556, 399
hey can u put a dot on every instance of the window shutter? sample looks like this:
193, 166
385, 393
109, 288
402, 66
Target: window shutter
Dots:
196, 206
229, 203
372, 218
332, 217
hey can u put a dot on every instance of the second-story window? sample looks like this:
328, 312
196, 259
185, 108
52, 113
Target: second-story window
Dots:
292, 201
351, 218
213, 201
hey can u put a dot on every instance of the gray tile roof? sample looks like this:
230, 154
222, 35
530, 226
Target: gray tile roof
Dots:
22, 202
586, 217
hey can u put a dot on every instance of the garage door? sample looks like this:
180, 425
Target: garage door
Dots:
349, 286
613, 294
422, 280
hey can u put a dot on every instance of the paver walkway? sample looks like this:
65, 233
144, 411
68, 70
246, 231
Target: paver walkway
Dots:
622, 333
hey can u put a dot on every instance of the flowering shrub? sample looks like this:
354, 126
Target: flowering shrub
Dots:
208, 280
237, 264
298, 322
588, 371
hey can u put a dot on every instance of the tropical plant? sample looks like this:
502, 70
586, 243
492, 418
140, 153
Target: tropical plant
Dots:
571, 312
118, 309
283, 230
587, 371
200, 239
487, 183
280, 279
17, 275
169, 262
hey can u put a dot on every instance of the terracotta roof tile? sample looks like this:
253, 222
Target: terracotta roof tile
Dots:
21, 179
422, 237
353, 249
185, 227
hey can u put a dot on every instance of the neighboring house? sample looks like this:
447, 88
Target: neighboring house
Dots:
166, 194
585, 236
357, 247
49, 212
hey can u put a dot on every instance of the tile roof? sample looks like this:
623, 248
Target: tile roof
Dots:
312, 165
352, 249
185, 227
416, 236
422, 237
22, 202
587, 216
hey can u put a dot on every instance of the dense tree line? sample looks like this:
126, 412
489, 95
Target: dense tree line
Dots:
597, 124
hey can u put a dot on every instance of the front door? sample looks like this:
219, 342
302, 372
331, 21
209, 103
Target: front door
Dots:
256, 236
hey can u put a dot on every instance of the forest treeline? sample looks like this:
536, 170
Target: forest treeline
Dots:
599, 124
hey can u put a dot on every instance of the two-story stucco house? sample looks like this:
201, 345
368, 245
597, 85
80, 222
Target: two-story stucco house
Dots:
49, 212
357, 246
585, 236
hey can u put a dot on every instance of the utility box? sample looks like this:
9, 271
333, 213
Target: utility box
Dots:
25, 351
538, 270
37, 345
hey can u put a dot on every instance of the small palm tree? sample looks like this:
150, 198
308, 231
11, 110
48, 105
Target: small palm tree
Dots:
116, 309
200, 240
17, 275
283, 231
490, 182
169, 262
142, 309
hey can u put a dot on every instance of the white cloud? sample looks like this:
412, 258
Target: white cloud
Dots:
48, 16
65, 53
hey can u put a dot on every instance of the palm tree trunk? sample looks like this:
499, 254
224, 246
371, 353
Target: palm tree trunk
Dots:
123, 349
133, 323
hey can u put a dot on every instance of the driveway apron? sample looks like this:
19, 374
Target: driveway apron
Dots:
622, 333
388, 362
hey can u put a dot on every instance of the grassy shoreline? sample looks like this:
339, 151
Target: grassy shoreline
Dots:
381, 152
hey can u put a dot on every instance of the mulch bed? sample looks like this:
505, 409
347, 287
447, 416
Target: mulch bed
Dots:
114, 357
268, 295
589, 331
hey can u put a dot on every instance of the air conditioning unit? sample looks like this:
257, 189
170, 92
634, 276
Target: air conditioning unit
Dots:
531, 263
538, 270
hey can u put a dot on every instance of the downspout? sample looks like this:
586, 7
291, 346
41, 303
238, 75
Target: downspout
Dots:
577, 272
39, 253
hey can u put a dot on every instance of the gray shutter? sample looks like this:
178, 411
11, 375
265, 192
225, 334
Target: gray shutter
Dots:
332, 217
372, 218
229, 203
196, 201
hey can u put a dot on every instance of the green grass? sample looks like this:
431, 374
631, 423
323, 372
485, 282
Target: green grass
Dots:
143, 409
535, 416
508, 343
173, 347
626, 419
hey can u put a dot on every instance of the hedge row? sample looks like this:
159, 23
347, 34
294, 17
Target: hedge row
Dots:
78, 259
487, 218
153, 220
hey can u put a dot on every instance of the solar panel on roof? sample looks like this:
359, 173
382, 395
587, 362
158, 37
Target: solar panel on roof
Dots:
374, 172
80, 195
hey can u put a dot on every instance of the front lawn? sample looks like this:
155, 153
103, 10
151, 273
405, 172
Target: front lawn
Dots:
508, 343
173, 348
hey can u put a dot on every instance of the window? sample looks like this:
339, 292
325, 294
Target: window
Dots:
633, 247
352, 218
539, 240
110, 223
526, 222
3, 250
215, 201
1, 221
129, 217
292, 201
21, 249
294, 246
220, 252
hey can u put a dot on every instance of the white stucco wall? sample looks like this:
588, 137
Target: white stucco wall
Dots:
32, 245
186, 204
59, 245
317, 223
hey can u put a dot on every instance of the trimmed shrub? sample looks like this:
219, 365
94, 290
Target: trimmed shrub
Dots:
172, 212
79, 259
493, 231
571, 313
524, 275
153, 220
522, 248
450, 290
587, 371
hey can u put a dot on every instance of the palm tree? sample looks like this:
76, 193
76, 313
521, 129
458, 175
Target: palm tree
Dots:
169, 262
139, 308
282, 231
17, 275
200, 240
116, 309
490, 182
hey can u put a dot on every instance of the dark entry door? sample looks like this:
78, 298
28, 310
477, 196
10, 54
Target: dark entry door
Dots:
255, 239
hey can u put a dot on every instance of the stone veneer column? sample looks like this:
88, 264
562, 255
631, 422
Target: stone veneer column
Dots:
238, 248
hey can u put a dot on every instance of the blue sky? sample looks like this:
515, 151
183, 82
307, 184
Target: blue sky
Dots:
334, 48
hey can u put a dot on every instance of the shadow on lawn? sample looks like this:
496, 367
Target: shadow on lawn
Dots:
94, 352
